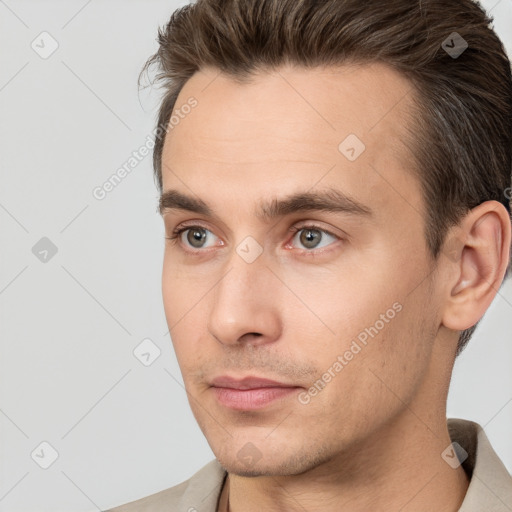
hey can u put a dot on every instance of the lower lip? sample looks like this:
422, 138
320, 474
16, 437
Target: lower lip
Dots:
250, 399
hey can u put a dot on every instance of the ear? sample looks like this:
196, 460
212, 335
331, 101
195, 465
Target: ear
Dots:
478, 252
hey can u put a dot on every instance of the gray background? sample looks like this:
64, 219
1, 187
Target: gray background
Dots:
69, 325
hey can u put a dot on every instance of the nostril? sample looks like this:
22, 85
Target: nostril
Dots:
250, 335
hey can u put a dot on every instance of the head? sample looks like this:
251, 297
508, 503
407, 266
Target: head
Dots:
344, 171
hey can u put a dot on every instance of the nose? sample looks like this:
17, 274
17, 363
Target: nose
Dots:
245, 304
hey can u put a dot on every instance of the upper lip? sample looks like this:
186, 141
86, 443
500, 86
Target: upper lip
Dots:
225, 381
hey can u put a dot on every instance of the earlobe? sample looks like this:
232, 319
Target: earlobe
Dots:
478, 263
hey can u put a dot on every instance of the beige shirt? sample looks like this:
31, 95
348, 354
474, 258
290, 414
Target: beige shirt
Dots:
490, 488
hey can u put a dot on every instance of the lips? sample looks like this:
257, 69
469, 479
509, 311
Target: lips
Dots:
250, 393
247, 383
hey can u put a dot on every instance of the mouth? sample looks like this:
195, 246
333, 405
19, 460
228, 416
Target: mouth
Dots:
250, 393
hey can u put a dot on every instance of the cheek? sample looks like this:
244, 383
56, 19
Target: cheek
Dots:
363, 321
337, 305
182, 306
183, 288
373, 380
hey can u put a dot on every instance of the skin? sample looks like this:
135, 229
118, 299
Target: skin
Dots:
372, 438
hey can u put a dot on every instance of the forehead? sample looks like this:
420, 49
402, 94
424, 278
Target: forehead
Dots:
291, 128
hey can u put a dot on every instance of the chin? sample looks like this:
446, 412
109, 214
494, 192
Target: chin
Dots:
248, 462
235, 467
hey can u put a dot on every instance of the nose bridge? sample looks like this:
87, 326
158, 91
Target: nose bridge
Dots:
242, 300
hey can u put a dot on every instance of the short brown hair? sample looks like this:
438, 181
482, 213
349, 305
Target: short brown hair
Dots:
462, 138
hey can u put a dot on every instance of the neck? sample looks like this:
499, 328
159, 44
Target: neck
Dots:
400, 468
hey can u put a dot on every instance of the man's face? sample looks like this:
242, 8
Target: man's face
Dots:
337, 304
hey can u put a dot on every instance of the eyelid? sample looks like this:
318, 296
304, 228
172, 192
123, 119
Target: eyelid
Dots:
313, 225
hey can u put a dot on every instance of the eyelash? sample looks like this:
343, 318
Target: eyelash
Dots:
294, 230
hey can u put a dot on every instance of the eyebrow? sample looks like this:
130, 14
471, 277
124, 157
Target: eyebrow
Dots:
329, 200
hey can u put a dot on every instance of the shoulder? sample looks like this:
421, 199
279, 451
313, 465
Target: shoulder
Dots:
490, 486
200, 493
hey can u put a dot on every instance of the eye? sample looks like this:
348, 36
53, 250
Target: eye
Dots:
312, 237
194, 236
